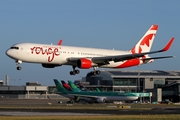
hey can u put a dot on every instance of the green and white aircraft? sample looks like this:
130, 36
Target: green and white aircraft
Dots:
76, 89
99, 97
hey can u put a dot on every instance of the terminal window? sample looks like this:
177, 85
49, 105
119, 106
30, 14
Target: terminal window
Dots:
125, 81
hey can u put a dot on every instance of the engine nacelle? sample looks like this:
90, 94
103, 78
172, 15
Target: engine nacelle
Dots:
49, 65
84, 63
100, 100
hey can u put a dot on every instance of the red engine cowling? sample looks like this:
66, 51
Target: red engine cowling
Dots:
84, 63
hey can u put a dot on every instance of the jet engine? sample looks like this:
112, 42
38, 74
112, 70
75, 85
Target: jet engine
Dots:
100, 100
84, 63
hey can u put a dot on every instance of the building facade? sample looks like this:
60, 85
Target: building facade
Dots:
153, 81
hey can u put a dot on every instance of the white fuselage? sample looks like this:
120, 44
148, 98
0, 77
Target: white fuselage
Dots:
55, 54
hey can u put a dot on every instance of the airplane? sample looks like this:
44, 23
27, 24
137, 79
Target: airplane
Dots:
98, 90
99, 97
50, 56
66, 86
74, 87
81, 86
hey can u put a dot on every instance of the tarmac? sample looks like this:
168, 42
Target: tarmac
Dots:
26, 107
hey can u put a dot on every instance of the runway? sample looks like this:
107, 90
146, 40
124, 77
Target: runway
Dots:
46, 112
41, 107
13, 113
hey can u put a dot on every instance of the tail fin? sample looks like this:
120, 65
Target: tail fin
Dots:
59, 87
145, 43
98, 90
73, 86
82, 87
66, 86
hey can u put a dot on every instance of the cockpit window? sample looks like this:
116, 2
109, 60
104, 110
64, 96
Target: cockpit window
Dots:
14, 48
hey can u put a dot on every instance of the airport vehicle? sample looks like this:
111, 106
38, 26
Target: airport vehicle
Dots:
99, 97
50, 56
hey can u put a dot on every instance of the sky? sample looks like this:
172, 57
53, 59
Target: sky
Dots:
109, 24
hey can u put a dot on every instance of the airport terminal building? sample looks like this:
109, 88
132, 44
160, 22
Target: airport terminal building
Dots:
160, 85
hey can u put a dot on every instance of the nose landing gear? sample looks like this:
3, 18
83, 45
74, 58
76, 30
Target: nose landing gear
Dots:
18, 62
95, 72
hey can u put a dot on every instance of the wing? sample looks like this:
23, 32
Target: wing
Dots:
117, 58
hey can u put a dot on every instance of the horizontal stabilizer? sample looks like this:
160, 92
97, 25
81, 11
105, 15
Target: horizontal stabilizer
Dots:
118, 58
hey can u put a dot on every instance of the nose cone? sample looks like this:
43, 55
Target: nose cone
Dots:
8, 52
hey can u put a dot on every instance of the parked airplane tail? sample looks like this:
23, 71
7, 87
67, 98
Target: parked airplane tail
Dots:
82, 87
59, 87
66, 86
73, 86
98, 90
145, 43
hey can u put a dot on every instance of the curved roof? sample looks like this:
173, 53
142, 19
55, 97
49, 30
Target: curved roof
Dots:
141, 73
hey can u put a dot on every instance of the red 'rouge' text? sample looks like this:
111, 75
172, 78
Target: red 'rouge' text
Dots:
51, 52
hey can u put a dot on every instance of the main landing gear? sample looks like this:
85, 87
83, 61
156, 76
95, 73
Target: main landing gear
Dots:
74, 71
18, 62
95, 72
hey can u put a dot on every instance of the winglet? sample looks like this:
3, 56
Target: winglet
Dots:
168, 45
60, 42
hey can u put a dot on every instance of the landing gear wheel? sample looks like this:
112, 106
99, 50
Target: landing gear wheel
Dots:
18, 62
97, 72
77, 71
19, 68
93, 73
72, 73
